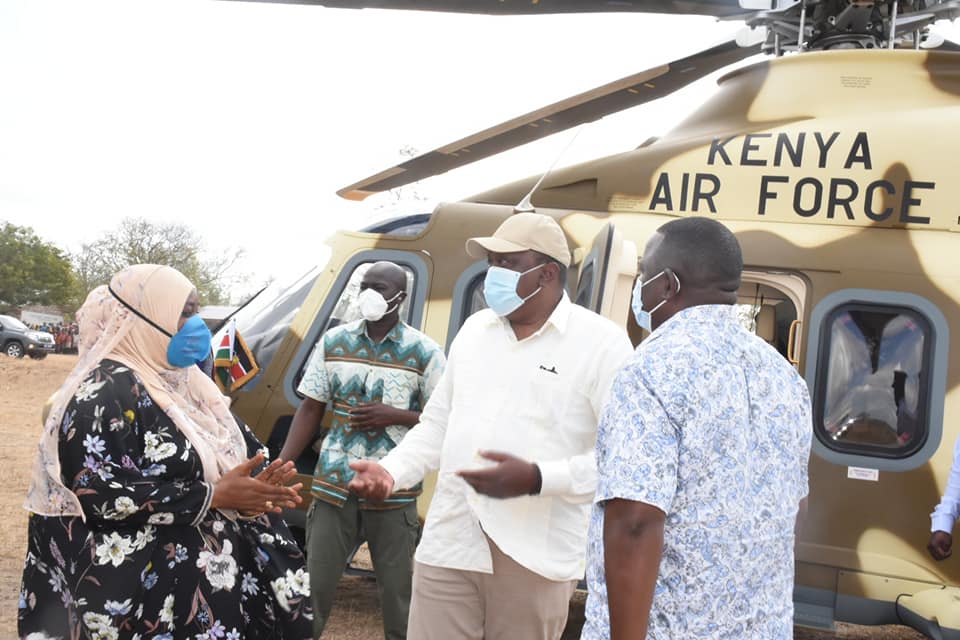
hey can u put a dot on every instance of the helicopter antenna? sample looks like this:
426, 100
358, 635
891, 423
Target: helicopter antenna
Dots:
526, 204
893, 24
803, 24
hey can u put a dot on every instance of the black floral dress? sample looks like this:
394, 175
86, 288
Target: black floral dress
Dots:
151, 560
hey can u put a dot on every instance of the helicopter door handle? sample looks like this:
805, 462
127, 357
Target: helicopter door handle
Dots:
792, 343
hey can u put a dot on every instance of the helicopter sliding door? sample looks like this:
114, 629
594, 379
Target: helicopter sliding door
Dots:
606, 274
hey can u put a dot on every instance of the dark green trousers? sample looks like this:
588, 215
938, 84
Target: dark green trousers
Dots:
333, 532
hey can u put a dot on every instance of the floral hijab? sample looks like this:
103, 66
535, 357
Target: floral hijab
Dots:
109, 329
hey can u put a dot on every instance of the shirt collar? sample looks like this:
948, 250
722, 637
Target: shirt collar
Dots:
561, 314
701, 313
559, 317
395, 334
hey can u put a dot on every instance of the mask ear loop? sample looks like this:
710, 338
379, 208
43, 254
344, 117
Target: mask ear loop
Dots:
540, 288
664, 301
138, 314
396, 306
675, 279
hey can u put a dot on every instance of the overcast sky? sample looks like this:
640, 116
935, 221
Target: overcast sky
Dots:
242, 119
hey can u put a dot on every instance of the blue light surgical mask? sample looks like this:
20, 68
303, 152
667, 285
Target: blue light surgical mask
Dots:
644, 318
500, 289
191, 344
188, 346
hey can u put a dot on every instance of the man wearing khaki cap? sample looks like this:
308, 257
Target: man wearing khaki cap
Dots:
511, 427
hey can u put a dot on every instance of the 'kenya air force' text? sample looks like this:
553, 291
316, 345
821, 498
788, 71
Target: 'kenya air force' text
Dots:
835, 197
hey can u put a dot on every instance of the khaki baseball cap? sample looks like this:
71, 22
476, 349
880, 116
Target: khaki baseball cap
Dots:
523, 232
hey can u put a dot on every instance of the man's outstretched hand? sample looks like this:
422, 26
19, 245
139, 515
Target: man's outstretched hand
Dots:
371, 482
940, 545
509, 478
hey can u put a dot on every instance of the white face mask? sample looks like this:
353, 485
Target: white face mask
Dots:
373, 306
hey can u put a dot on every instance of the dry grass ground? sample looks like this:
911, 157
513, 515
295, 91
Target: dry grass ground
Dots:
26, 384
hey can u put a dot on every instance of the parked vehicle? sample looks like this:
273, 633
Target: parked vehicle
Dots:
17, 339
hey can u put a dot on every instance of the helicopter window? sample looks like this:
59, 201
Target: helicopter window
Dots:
266, 320
873, 399
467, 298
474, 300
585, 286
407, 226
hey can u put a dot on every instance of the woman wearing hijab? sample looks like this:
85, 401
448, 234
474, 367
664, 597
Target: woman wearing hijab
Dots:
145, 519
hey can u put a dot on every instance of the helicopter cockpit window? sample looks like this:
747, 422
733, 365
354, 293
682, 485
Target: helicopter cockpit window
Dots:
346, 309
266, 320
873, 399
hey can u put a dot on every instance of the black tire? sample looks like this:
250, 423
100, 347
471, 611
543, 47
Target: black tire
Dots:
38, 355
13, 349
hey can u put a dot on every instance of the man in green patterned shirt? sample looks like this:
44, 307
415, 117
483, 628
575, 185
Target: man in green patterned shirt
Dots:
374, 375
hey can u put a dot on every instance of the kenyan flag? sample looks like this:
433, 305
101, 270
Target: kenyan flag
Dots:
233, 363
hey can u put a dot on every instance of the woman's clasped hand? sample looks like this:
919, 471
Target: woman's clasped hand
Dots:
266, 491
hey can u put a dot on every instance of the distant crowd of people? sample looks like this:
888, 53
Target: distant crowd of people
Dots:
64, 335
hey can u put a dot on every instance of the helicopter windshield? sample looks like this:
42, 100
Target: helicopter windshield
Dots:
265, 321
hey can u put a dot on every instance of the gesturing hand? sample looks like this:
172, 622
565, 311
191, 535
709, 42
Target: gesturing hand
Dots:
236, 489
940, 545
277, 473
373, 415
371, 481
510, 477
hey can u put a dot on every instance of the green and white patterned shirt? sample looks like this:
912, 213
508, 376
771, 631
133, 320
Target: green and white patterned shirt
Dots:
348, 369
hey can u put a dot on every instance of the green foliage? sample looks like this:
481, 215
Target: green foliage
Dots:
138, 241
32, 271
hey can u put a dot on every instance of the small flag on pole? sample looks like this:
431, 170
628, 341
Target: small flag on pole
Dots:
233, 363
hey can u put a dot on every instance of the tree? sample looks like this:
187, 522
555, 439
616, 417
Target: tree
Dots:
32, 271
138, 241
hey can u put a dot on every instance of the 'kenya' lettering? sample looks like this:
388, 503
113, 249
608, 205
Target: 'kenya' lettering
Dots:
755, 149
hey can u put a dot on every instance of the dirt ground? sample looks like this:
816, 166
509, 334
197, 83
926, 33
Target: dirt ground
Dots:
26, 384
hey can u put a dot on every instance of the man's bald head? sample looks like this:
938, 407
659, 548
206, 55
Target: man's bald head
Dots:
703, 253
390, 273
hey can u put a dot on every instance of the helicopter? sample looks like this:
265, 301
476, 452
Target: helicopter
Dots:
829, 161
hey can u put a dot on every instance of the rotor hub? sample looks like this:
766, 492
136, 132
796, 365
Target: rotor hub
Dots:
851, 24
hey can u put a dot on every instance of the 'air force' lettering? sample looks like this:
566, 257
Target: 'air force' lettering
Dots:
835, 198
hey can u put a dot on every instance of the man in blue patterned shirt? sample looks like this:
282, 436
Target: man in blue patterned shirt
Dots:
374, 375
702, 457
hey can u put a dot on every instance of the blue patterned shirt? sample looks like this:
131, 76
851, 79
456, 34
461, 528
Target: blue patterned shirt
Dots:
712, 426
347, 369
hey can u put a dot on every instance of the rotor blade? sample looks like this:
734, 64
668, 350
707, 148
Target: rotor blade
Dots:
718, 8
592, 105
